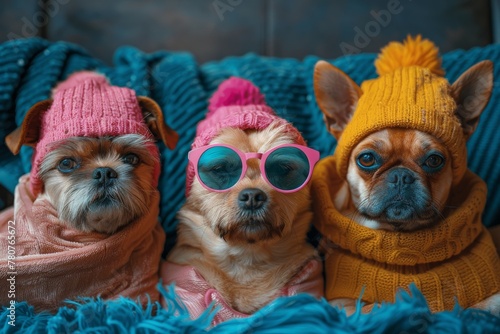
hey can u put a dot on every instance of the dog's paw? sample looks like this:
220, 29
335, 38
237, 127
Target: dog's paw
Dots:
349, 305
490, 304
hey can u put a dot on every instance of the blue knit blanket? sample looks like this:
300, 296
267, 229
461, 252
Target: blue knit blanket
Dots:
30, 68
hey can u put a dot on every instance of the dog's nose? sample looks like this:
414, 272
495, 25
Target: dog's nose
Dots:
251, 198
400, 176
104, 175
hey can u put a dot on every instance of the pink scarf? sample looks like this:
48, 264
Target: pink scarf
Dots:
197, 294
54, 262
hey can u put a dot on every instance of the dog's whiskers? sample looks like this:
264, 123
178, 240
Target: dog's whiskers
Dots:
79, 198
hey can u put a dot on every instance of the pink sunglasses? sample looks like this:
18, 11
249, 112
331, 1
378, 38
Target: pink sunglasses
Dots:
287, 168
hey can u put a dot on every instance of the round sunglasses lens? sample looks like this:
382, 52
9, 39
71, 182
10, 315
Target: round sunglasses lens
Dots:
287, 168
219, 168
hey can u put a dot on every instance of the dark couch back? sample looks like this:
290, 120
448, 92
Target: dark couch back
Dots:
213, 29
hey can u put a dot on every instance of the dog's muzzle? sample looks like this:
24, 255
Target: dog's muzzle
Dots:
400, 197
253, 221
104, 176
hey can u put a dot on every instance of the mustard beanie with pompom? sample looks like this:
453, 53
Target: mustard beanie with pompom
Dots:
452, 262
410, 93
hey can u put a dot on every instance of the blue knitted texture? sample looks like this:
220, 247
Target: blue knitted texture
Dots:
298, 314
30, 68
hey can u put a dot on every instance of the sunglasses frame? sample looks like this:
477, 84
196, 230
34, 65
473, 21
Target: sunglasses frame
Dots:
311, 154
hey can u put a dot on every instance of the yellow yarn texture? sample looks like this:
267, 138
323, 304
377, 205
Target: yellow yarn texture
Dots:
410, 93
455, 259
413, 52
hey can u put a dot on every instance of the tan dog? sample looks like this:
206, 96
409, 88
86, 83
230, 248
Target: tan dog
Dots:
403, 180
244, 246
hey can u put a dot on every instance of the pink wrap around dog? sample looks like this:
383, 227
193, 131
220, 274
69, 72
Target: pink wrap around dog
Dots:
198, 295
54, 262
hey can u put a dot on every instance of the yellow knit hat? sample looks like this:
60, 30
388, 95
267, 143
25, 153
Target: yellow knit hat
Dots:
409, 93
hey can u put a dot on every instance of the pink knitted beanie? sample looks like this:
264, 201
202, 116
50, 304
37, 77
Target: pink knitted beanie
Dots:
237, 103
86, 105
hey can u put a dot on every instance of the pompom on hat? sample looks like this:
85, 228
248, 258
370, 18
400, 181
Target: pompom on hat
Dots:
84, 105
410, 93
237, 103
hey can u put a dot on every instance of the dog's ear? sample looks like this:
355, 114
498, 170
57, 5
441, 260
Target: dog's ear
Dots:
153, 116
472, 91
337, 96
29, 131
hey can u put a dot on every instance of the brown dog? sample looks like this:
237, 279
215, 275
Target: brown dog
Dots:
98, 173
242, 232
404, 205
86, 217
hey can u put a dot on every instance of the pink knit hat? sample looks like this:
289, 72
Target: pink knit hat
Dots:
86, 105
237, 103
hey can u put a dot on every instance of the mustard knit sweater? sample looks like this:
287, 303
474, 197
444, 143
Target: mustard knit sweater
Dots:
453, 260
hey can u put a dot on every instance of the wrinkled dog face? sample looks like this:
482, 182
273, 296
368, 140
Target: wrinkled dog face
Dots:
99, 184
252, 211
400, 178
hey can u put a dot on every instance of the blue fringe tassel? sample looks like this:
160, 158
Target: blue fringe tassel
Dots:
298, 314
95, 315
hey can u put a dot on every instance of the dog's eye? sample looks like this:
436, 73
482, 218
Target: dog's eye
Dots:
366, 160
434, 161
131, 159
67, 165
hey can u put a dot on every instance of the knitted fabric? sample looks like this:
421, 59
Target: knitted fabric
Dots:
54, 262
454, 259
198, 295
406, 96
302, 313
30, 68
237, 103
86, 105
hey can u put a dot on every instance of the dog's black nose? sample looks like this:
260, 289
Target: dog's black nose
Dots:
400, 176
251, 198
104, 175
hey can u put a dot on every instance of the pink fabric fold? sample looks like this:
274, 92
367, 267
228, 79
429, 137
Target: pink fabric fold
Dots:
54, 262
197, 294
